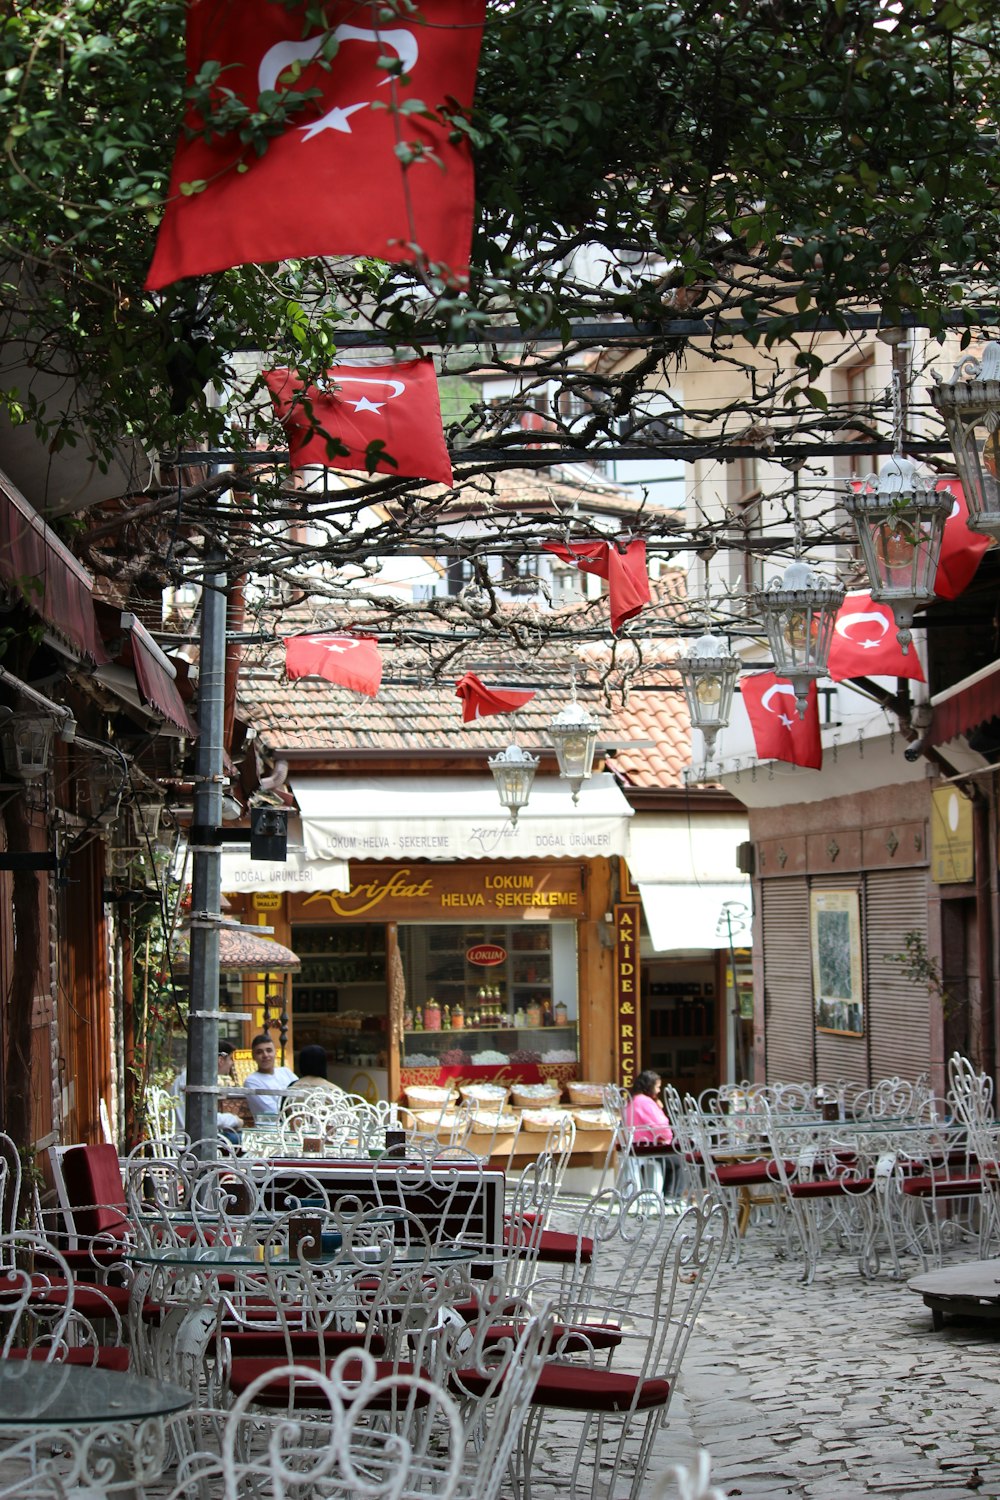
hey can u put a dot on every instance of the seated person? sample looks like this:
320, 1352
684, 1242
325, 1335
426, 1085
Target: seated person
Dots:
312, 1072
233, 1113
651, 1128
267, 1086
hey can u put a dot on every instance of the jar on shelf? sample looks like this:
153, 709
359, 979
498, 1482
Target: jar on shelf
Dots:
408, 1018
561, 1013
533, 1014
457, 1018
432, 1015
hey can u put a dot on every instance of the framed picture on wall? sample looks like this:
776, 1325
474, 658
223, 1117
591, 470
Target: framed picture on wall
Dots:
835, 938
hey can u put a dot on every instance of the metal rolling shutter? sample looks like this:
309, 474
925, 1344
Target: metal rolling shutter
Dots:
898, 1010
788, 1006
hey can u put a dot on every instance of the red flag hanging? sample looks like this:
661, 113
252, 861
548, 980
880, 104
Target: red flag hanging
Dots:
622, 564
778, 732
961, 549
479, 701
351, 661
865, 645
396, 405
352, 173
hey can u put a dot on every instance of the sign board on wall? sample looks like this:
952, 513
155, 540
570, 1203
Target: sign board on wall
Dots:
484, 892
952, 849
267, 900
626, 956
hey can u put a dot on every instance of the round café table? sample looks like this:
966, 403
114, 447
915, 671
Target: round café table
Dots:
70, 1427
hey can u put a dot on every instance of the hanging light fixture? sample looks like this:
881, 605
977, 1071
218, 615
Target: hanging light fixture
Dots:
27, 743
799, 610
899, 516
708, 672
970, 404
513, 771
573, 733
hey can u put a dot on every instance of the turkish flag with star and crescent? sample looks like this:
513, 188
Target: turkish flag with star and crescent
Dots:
961, 549
865, 645
395, 405
359, 170
351, 661
778, 732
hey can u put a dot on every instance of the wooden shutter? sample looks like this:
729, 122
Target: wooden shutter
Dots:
788, 1007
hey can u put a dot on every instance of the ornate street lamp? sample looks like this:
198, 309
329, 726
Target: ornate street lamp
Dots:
708, 672
899, 515
970, 404
798, 610
573, 733
27, 744
513, 771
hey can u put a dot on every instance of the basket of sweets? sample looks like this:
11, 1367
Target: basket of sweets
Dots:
590, 1094
489, 1123
536, 1095
543, 1119
419, 1095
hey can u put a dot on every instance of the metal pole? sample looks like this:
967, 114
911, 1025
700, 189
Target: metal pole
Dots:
206, 864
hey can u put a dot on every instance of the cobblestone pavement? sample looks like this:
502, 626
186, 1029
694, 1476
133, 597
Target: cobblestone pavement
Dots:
832, 1392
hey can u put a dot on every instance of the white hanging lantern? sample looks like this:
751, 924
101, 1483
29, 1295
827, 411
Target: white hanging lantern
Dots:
513, 771
708, 672
799, 610
899, 515
573, 733
970, 405
27, 744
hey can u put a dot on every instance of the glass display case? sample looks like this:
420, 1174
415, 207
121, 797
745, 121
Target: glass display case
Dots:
339, 996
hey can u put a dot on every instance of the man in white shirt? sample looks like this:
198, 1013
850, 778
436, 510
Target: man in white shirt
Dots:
266, 1087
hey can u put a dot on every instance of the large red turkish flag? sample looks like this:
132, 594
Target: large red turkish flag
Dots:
351, 661
342, 178
778, 732
479, 701
865, 645
623, 564
395, 405
961, 549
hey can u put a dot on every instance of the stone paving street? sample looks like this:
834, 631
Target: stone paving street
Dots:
833, 1391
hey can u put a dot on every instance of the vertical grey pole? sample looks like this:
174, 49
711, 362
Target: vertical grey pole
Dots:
206, 863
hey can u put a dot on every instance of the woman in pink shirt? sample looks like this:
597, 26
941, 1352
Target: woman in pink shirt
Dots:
651, 1130
646, 1113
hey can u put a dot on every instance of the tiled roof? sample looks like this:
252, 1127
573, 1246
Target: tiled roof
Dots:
417, 711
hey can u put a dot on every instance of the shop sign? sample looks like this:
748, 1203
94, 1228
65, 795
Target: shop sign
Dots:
485, 955
402, 892
267, 900
626, 954
953, 860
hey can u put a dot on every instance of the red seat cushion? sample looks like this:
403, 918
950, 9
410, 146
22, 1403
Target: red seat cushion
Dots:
563, 1249
831, 1187
260, 1343
579, 1388
91, 1301
94, 1187
244, 1371
104, 1357
569, 1338
749, 1173
941, 1187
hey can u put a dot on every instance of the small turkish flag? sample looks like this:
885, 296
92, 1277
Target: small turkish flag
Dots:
961, 549
479, 701
865, 645
359, 170
395, 405
778, 732
351, 661
622, 564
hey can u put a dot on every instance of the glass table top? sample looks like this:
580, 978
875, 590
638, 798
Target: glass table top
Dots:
34, 1394
219, 1257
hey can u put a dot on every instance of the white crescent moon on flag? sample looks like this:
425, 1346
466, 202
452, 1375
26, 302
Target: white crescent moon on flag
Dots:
776, 688
397, 386
281, 56
845, 621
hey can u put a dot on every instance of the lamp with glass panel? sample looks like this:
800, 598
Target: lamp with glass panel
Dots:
708, 672
513, 771
970, 405
798, 611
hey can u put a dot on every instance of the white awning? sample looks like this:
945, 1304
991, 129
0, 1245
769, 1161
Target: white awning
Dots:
696, 916
453, 817
696, 847
297, 873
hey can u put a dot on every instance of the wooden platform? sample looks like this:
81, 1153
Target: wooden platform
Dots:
969, 1290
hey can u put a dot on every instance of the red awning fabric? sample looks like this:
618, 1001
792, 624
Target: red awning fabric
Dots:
46, 574
155, 675
959, 709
